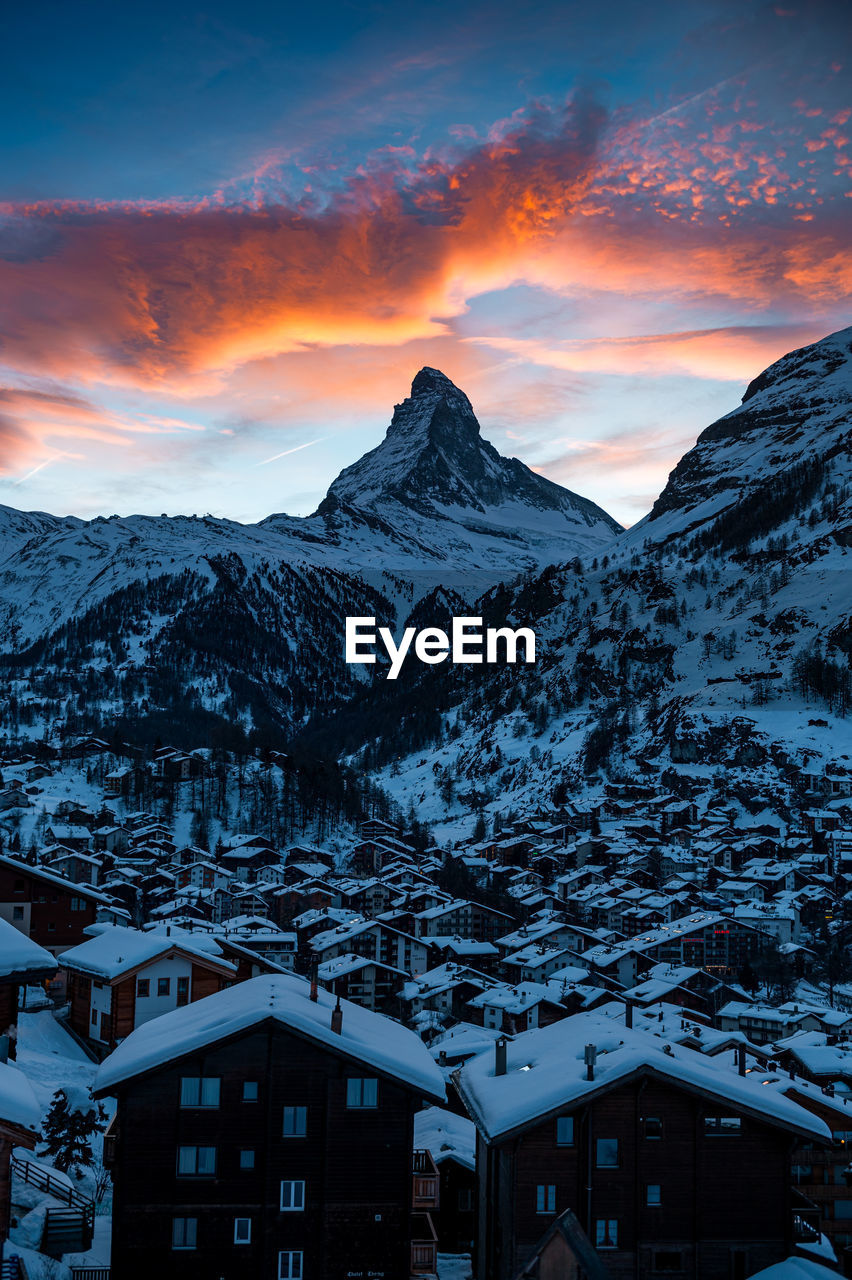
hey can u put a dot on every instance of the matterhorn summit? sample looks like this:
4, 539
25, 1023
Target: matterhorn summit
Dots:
434, 461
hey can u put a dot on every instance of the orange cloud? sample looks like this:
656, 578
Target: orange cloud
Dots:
179, 295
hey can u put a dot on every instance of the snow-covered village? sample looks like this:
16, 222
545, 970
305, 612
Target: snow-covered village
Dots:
489, 973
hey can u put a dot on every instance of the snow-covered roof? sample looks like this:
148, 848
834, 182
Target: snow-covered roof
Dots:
517, 998
446, 1135
19, 954
793, 1268
651, 938
369, 1038
115, 950
546, 1072
18, 1103
348, 963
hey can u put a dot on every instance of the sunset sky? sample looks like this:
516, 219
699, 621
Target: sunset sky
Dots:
229, 238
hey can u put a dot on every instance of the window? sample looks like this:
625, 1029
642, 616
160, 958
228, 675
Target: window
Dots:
668, 1261
249, 1091
565, 1131
184, 1233
51, 928
247, 1158
17, 913
292, 1197
606, 1153
361, 1092
465, 1200
242, 1230
843, 1209
143, 987
653, 1194
295, 1122
545, 1198
94, 1017
199, 1091
182, 991
804, 1173
196, 1162
606, 1233
722, 1126
652, 1128
290, 1265
164, 986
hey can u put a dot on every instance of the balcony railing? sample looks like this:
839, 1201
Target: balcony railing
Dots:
426, 1182
424, 1245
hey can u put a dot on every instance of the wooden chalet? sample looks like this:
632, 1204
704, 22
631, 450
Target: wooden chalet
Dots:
671, 1163
283, 1141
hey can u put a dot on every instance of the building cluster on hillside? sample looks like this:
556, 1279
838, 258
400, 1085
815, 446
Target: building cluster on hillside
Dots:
594, 1036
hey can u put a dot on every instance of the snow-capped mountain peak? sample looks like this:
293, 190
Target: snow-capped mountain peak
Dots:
434, 458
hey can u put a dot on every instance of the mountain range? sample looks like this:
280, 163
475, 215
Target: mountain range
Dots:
731, 596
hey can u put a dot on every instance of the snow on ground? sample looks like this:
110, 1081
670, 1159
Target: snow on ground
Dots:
454, 1266
52, 1060
99, 1254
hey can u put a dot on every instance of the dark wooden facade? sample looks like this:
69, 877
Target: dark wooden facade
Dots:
724, 1198
52, 913
355, 1164
456, 1219
818, 1174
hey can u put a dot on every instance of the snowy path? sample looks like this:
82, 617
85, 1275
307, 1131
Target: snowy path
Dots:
52, 1060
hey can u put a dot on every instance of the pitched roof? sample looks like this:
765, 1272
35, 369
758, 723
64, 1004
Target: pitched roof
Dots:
546, 1072
20, 955
368, 1038
116, 950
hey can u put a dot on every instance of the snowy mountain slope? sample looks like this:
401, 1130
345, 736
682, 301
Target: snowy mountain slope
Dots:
17, 527
433, 497
731, 601
718, 631
188, 618
755, 468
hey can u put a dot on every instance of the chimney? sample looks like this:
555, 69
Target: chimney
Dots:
337, 1018
590, 1056
628, 1013
442, 1058
314, 977
500, 1057
741, 1059
792, 1071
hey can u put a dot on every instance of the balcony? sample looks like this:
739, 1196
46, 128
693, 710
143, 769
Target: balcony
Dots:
426, 1182
424, 1245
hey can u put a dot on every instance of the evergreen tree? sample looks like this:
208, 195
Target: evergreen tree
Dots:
67, 1132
